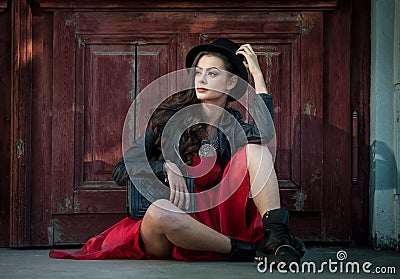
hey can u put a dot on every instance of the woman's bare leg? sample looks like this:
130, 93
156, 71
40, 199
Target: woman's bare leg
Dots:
264, 187
165, 225
279, 245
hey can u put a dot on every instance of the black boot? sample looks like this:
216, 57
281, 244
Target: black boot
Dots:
280, 245
241, 251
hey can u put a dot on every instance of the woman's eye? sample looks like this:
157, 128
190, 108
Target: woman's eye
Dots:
212, 74
198, 73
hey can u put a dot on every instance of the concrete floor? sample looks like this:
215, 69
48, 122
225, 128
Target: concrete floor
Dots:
34, 263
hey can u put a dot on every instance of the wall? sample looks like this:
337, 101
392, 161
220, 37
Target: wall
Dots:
384, 195
397, 94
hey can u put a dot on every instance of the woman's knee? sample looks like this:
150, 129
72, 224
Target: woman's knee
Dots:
165, 215
257, 153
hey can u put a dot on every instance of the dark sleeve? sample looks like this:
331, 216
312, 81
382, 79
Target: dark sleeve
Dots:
267, 98
136, 160
265, 128
119, 174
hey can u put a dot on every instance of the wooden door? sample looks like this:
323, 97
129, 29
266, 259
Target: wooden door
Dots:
102, 60
90, 102
75, 66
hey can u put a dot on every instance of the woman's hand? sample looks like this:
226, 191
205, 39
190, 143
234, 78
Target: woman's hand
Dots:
179, 194
251, 63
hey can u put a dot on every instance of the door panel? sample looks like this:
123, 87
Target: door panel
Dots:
276, 61
108, 93
279, 59
99, 70
114, 74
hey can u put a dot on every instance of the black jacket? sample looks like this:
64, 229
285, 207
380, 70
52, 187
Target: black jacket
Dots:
138, 156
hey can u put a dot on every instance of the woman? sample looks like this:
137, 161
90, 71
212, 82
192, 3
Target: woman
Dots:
234, 229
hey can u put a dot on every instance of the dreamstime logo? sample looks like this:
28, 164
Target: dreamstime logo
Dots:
341, 255
331, 266
174, 84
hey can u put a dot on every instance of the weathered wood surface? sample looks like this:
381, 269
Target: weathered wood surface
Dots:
73, 78
5, 123
21, 117
190, 5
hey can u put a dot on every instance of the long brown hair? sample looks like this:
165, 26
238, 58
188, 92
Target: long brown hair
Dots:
192, 136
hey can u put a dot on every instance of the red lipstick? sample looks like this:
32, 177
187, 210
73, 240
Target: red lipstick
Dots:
202, 89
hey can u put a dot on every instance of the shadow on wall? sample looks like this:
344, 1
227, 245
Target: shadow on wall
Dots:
384, 216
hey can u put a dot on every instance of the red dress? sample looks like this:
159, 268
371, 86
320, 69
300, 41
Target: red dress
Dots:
236, 216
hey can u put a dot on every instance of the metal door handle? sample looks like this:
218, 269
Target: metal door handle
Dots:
354, 148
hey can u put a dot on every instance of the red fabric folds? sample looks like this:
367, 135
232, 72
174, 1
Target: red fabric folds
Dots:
237, 217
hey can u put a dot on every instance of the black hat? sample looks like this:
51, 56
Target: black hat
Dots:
227, 48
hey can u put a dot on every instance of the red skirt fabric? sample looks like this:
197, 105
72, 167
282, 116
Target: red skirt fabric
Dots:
236, 216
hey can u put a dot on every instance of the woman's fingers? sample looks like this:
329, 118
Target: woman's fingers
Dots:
171, 191
251, 59
184, 197
179, 194
245, 54
247, 48
174, 195
187, 199
248, 61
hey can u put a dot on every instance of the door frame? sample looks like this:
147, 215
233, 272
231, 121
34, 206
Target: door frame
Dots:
5, 124
21, 119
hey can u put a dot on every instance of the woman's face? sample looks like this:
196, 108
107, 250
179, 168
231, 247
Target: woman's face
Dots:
211, 80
